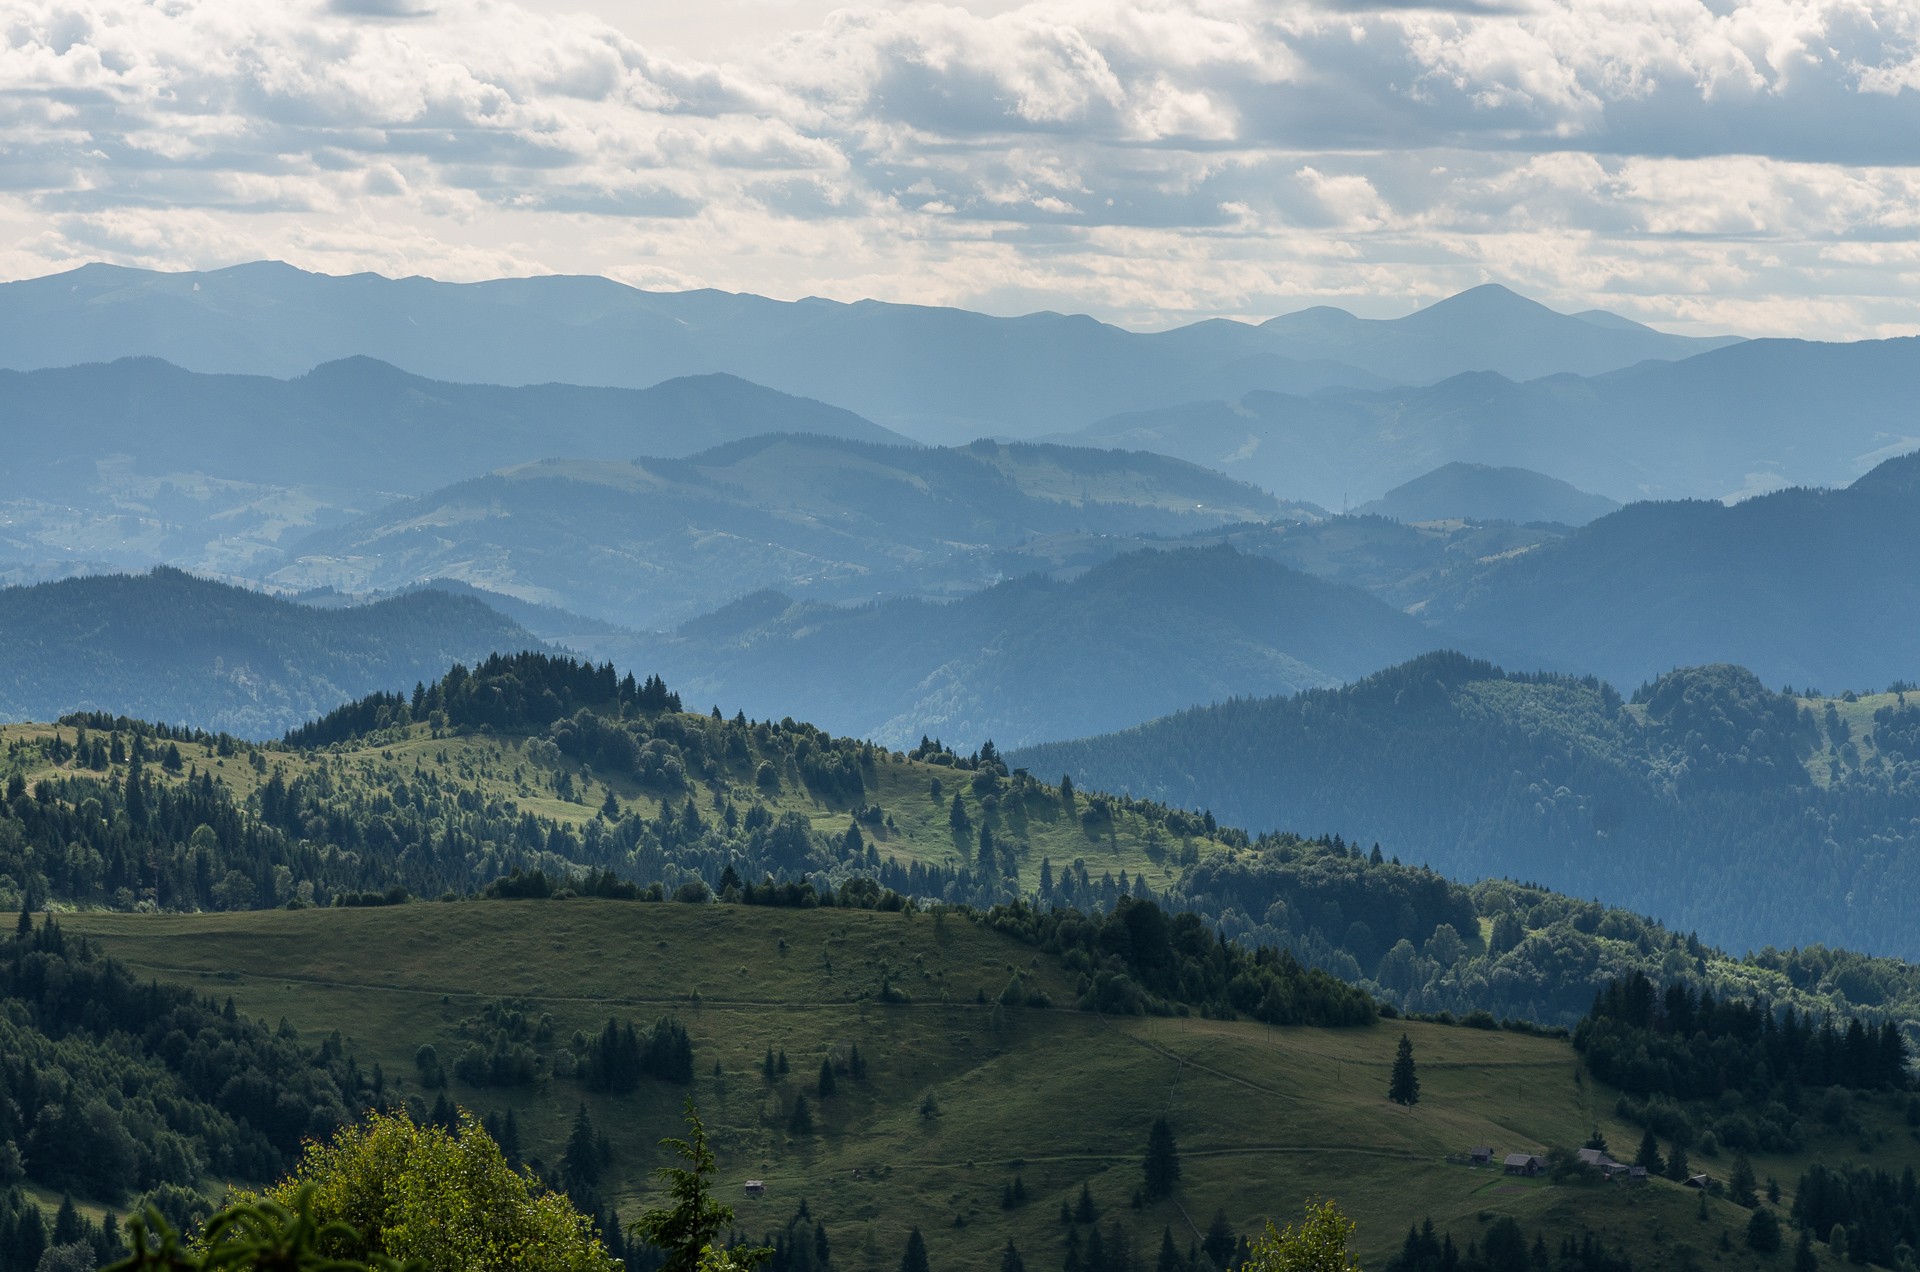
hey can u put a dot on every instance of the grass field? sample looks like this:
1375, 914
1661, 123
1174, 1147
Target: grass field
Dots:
1264, 1117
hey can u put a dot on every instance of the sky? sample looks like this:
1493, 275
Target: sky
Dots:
1706, 167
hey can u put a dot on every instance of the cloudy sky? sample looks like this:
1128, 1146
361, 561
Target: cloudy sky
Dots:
1751, 167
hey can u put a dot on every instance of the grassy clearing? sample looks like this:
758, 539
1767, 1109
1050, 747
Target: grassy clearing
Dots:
1265, 1117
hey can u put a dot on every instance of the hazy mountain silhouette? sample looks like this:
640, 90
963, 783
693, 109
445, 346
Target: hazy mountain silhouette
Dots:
936, 374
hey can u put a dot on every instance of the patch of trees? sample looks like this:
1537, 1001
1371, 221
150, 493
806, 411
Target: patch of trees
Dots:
1864, 1214
1686, 1045
110, 1087
1504, 1247
616, 1058
1136, 959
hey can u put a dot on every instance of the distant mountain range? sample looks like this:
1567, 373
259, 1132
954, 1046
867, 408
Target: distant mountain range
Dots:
1709, 801
1034, 658
939, 375
1737, 420
1479, 492
651, 543
170, 647
138, 461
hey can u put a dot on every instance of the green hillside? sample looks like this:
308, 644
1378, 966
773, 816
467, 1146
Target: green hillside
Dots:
1708, 801
1054, 1097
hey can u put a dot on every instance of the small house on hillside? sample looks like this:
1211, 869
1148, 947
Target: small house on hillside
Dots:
1528, 1164
1482, 1157
1636, 1174
1597, 1159
756, 1187
1698, 1181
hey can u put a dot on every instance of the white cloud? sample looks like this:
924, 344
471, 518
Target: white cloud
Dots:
1702, 165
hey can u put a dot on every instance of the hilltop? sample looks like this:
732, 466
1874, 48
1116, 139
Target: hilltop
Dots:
1480, 492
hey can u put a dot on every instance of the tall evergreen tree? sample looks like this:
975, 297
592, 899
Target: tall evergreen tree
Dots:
1649, 1155
1010, 1260
1220, 1241
580, 1163
915, 1258
1162, 1165
1403, 1087
828, 1084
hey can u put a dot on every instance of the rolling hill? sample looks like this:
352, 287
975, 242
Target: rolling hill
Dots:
1709, 801
1034, 658
169, 647
939, 375
1737, 420
654, 542
959, 1097
1479, 492
1804, 587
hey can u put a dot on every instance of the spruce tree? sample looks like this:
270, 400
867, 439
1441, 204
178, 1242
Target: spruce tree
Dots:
1084, 1211
1162, 1165
580, 1163
801, 1122
1220, 1241
1649, 1155
828, 1084
1169, 1260
1404, 1086
1010, 1260
915, 1258
1740, 1184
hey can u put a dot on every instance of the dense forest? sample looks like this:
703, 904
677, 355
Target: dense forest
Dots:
1716, 804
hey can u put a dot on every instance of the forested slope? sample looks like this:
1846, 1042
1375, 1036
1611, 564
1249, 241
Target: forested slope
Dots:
1708, 801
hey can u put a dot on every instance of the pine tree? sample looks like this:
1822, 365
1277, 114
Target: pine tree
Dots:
767, 1065
801, 1122
1169, 1260
1010, 1260
915, 1259
580, 1163
828, 1084
1220, 1241
1162, 1165
1804, 1259
1740, 1184
1649, 1155
857, 1063
1404, 1086
1677, 1166
1084, 1211
780, 1063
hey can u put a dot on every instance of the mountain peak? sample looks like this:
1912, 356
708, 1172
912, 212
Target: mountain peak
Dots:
1487, 302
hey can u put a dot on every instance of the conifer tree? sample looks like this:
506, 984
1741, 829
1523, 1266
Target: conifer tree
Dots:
915, 1258
828, 1084
1648, 1157
1010, 1260
1162, 1165
1404, 1086
1084, 1211
1740, 1184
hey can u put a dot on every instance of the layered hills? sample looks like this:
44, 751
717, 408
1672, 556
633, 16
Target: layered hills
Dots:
649, 543
940, 375
168, 647
1804, 587
968, 1072
1037, 658
139, 461
1738, 420
1709, 800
